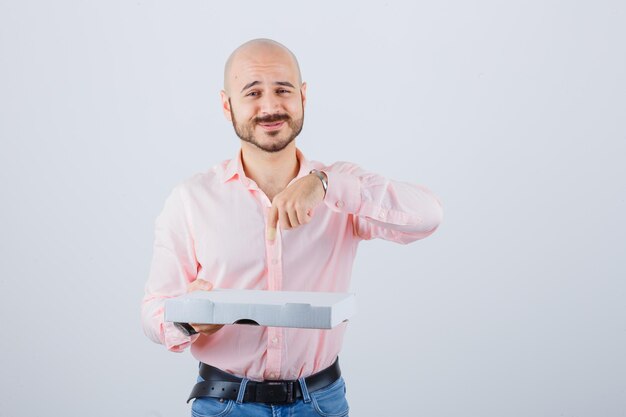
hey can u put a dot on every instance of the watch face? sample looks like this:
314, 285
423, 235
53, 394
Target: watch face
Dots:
185, 328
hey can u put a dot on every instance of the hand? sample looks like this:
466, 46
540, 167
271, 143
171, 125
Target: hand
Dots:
205, 329
294, 206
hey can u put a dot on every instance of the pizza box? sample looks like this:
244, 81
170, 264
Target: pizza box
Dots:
310, 310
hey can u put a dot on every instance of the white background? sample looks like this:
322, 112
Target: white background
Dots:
512, 112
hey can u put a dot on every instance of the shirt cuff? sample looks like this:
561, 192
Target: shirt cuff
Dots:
344, 192
175, 341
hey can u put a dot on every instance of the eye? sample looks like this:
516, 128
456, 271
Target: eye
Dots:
252, 94
282, 91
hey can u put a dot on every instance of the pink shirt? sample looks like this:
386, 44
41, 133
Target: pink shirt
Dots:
213, 227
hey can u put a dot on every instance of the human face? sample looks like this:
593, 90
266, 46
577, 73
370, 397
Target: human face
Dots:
272, 126
266, 102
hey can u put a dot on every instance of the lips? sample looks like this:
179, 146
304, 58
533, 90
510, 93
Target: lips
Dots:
272, 126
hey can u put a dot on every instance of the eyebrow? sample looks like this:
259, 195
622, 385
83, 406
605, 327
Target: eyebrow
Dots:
253, 83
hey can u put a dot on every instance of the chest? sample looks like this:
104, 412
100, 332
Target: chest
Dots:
230, 235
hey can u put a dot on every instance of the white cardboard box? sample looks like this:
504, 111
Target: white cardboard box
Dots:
313, 310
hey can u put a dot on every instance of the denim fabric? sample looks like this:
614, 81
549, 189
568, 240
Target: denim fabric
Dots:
326, 402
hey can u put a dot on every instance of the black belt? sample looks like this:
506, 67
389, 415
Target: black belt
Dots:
219, 384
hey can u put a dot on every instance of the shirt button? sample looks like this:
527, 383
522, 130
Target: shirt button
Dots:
275, 340
272, 375
274, 261
339, 204
382, 214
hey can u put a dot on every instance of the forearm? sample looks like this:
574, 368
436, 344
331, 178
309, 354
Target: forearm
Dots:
381, 207
173, 267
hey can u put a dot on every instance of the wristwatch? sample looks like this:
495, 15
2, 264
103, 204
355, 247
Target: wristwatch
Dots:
185, 328
322, 177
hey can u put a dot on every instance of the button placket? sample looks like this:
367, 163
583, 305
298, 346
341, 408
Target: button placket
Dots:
274, 277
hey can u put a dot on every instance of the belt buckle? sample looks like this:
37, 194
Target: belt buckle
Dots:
276, 392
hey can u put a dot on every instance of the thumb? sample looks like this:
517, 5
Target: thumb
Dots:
206, 285
200, 285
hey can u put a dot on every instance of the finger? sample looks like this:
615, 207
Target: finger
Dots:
272, 221
200, 285
303, 214
283, 219
206, 329
203, 285
210, 329
293, 217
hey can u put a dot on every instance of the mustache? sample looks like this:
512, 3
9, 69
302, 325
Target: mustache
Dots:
272, 118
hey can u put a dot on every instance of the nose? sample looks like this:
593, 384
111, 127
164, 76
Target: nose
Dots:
269, 104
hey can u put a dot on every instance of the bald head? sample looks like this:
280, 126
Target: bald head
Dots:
258, 53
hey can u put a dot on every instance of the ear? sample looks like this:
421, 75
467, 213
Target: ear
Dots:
226, 106
303, 94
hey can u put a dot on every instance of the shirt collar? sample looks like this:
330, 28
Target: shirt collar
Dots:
233, 169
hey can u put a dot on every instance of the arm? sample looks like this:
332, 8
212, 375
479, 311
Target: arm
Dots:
382, 208
174, 267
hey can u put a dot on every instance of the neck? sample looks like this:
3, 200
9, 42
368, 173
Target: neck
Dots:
272, 171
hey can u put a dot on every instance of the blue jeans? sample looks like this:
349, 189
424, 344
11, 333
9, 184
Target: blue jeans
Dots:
326, 402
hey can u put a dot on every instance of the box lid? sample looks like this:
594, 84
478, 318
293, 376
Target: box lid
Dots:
316, 310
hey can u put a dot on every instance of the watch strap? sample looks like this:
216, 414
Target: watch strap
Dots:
322, 178
185, 328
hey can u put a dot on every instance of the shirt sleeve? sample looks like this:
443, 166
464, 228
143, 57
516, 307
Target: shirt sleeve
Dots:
173, 266
381, 208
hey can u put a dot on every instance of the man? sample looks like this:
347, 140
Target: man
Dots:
270, 219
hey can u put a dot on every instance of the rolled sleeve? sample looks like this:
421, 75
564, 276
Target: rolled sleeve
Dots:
382, 208
344, 192
174, 266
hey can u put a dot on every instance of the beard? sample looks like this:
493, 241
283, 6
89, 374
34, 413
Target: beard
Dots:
245, 131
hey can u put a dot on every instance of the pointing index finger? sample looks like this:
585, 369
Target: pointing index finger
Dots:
272, 221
